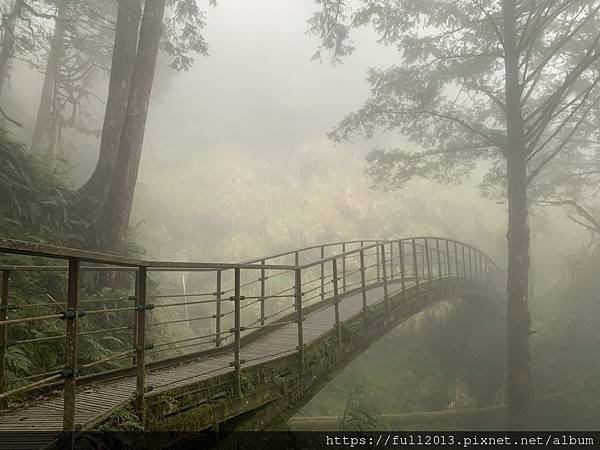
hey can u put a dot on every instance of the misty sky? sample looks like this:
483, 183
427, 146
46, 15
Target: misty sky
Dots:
259, 92
255, 103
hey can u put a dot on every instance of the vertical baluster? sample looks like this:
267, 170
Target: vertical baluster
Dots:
415, 265
218, 314
136, 294
439, 258
299, 319
456, 258
322, 273
364, 286
464, 261
402, 268
296, 263
237, 362
141, 341
428, 262
391, 260
470, 263
263, 279
336, 302
385, 286
448, 263
377, 258
70, 370
344, 268
3, 333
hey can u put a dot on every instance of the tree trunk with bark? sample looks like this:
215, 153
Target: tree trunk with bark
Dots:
45, 133
519, 386
8, 41
123, 62
113, 220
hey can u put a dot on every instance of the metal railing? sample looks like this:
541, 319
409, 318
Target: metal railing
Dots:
245, 298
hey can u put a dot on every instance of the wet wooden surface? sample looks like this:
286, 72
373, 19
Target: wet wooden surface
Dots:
94, 401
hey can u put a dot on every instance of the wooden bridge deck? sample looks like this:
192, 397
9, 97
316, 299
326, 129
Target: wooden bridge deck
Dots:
95, 402
446, 268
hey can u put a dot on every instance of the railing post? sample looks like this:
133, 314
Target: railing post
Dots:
377, 256
424, 261
428, 262
415, 265
70, 370
456, 259
299, 319
464, 261
141, 342
262, 293
237, 363
135, 324
448, 259
470, 263
402, 268
218, 311
391, 260
336, 302
385, 285
3, 333
439, 258
322, 273
344, 268
364, 286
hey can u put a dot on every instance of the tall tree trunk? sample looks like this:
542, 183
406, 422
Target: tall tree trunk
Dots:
45, 132
8, 41
123, 62
519, 386
113, 220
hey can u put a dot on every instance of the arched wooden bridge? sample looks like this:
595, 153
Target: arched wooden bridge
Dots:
251, 342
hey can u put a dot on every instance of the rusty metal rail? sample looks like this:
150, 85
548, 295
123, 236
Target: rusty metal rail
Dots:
279, 284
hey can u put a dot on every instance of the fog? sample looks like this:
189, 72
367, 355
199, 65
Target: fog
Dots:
236, 164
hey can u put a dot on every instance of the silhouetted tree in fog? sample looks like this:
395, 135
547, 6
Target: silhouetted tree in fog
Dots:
510, 83
123, 59
132, 76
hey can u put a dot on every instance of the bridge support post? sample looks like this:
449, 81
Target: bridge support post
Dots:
70, 370
363, 286
377, 256
449, 268
344, 268
439, 258
3, 333
336, 302
428, 262
299, 318
218, 294
140, 391
385, 286
464, 261
391, 260
262, 293
402, 268
322, 273
471, 263
237, 363
456, 259
415, 265
136, 293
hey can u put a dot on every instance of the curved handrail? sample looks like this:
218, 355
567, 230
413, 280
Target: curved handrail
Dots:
58, 252
414, 265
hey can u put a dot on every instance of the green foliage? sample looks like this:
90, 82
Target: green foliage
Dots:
34, 204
